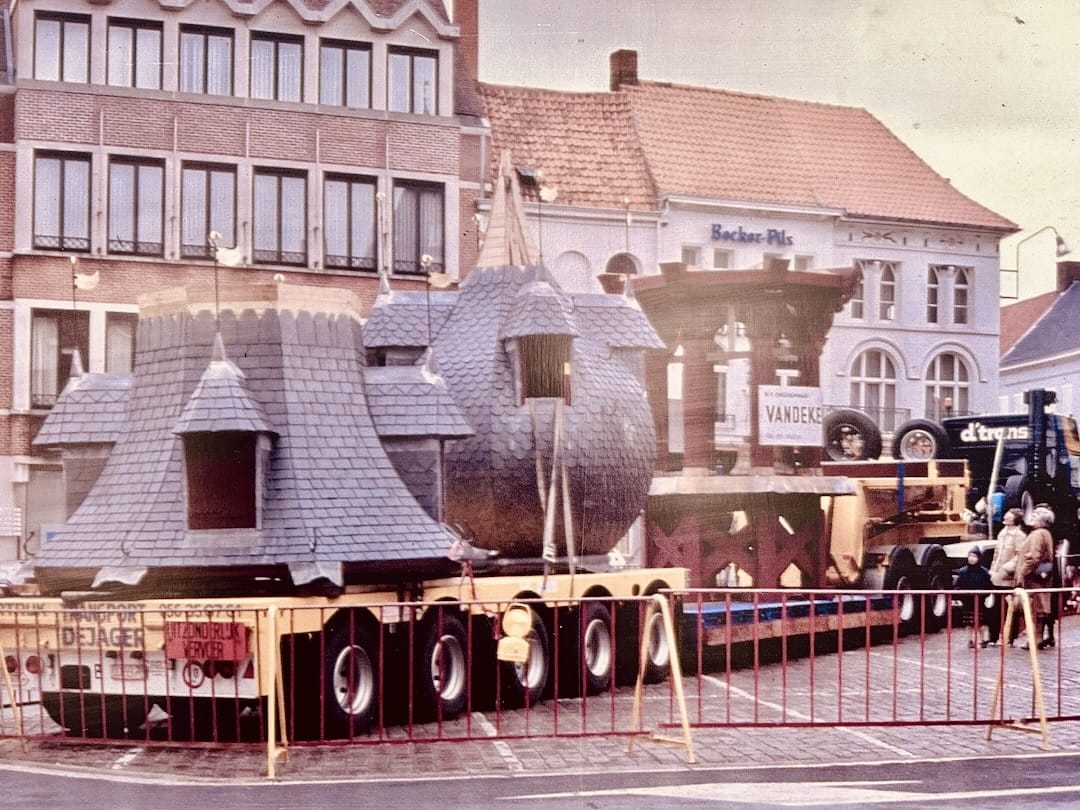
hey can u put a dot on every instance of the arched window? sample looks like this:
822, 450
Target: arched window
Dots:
887, 294
947, 386
873, 387
621, 263
932, 295
960, 296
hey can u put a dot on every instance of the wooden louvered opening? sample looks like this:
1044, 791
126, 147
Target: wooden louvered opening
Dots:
221, 480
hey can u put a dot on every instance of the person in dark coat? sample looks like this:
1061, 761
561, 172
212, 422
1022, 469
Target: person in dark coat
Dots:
975, 577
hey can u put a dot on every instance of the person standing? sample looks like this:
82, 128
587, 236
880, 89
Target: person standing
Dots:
1038, 548
1003, 571
974, 577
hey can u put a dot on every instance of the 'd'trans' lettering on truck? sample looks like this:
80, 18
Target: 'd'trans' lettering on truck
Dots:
206, 641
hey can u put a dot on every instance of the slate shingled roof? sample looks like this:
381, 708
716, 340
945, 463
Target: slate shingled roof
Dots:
1053, 334
538, 310
1017, 318
653, 139
221, 401
608, 444
411, 401
407, 318
90, 410
328, 478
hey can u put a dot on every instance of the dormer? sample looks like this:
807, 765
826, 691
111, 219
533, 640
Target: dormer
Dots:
539, 337
227, 440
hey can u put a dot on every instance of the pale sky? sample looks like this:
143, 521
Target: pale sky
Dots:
985, 91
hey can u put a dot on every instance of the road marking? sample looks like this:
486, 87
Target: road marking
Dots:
799, 794
126, 758
794, 713
504, 749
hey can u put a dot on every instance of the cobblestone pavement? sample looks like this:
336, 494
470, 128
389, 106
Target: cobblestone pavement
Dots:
913, 682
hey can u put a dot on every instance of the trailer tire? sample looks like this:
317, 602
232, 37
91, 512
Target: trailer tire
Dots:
903, 576
920, 440
938, 601
442, 674
658, 651
595, 657
525, 684
350, 679
851, 435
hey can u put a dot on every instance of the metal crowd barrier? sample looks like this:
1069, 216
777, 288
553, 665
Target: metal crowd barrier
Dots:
397, 672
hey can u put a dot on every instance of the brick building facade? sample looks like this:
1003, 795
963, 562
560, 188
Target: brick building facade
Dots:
328, 142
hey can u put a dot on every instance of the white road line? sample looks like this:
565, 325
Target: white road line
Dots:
862, 735
505, 751
126, 758
801, 794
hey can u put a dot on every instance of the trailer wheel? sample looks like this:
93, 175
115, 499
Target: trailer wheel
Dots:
903, 577
442, 678
524, 684
938, 582
657, 650
596, 652
350, 682
920, 440
851, 435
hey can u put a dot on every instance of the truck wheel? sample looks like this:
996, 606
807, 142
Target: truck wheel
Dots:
596, 652
524, 684
938, 601
657, 651
1022, 492
442, 678
851, 435
350, 678
920, 440
902, 576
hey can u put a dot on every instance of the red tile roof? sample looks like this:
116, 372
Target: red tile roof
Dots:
585, 143
656, 139
1018, 318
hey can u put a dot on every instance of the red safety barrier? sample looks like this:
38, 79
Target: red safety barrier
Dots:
412, 672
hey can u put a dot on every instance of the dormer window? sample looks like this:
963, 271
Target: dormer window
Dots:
221, 471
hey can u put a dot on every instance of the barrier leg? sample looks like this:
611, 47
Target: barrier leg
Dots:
16, 709
1021, 596
658, 602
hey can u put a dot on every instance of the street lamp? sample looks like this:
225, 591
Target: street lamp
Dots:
1060, 249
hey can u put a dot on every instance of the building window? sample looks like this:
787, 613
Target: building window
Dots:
208, 197
134, 58
349, 218
345, 74
418, 227
721, 259
62, 48
622, 263
873, 387
276, 67
858, 301
280, 217
947, 387
690, 255
62, 202
136, 203
887, 294
206, 61
960, 296
120, 342
220, 469
932, 288
54, 335
413, 81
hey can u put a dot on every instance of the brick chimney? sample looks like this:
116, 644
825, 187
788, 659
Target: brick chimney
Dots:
623, 64
467, 18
